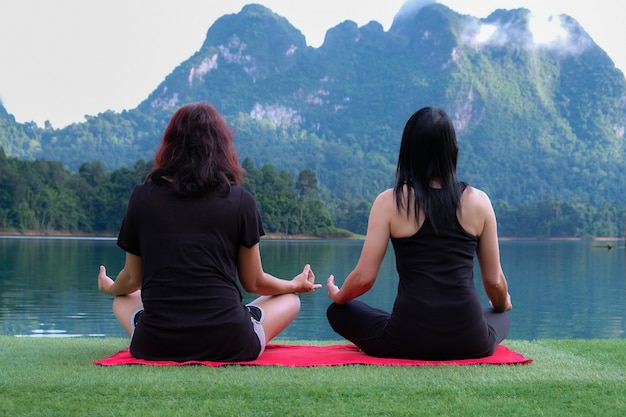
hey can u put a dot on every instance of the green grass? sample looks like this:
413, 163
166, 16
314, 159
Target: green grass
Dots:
55, 377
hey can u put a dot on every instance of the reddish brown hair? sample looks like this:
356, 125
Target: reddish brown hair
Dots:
197, 153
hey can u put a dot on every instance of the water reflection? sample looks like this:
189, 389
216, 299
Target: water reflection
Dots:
47, 287
560, 289
565, 289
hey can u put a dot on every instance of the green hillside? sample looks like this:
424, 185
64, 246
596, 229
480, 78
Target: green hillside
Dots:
541, 127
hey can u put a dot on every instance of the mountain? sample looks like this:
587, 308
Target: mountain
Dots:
534, 120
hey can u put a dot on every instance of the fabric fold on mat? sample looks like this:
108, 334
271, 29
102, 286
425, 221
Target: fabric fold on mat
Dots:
329, 355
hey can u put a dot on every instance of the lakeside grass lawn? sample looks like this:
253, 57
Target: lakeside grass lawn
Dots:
55, 377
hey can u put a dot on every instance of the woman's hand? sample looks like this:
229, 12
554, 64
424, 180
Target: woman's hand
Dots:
104, 282
333, 289
508, 305
305, 281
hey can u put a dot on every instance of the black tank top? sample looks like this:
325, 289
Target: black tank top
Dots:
437, 312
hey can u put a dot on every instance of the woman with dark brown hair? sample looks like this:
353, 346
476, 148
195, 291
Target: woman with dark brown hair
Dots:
189, 230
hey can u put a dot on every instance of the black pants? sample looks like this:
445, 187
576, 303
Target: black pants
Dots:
364, 326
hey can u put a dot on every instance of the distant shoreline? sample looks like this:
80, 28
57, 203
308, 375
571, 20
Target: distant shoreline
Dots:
283, 236
590, 239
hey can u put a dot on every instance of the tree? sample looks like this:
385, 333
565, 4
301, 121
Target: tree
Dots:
307, 183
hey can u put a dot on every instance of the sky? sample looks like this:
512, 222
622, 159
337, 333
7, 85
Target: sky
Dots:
61, 60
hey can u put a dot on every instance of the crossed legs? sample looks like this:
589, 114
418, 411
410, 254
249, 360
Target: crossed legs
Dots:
280, 311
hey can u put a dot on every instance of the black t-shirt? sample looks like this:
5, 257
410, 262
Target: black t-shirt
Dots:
188, 249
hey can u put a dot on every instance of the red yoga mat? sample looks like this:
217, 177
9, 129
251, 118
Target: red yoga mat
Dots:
329, 355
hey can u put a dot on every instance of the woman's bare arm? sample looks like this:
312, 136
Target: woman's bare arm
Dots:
364, 274
256, 281
128, 280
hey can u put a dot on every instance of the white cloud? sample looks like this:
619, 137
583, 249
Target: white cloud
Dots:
547, 29
485, 33
551, 32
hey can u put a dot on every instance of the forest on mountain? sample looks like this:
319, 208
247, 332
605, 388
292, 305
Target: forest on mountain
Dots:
540, 127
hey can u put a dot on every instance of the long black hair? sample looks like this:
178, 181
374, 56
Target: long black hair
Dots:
428, 153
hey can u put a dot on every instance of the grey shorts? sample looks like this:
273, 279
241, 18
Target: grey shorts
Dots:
258, 328
135, 317
257, 318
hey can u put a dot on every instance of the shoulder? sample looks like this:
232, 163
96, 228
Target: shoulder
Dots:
476, 211
383, 212
385, 199
386, 196
142, 186
240, 192
243, 199
141, 190
475, 198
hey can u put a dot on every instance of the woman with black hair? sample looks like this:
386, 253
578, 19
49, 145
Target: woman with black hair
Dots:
190, 230
436, 224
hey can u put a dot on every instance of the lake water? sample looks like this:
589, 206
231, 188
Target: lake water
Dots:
559, 289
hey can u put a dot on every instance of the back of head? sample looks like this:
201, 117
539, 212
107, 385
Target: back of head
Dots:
197, 154
427, 166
